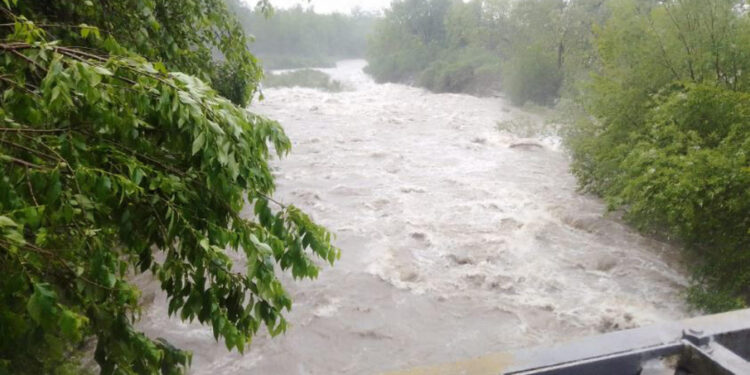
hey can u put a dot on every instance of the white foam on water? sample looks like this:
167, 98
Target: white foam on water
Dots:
458, 239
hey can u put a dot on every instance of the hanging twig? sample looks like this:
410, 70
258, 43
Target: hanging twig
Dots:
29, 150
16, 84
31, 189
30, 61
30, 130
22, 162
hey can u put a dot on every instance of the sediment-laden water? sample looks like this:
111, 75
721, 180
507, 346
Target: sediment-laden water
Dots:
458, 239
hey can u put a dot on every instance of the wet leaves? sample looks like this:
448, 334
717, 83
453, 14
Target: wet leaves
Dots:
109, 160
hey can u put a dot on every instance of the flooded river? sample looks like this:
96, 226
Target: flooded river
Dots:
458, 239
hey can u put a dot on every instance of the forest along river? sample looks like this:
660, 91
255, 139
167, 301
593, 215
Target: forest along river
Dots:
458, 239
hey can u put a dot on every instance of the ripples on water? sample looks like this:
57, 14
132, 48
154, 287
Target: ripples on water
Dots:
458, 240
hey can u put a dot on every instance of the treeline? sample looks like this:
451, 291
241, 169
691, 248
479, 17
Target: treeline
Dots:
656, 94
524, 48
299, 37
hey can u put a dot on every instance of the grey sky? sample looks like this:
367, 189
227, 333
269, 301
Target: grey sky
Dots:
330, 6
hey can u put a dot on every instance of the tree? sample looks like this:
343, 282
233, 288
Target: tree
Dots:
436, 44
533, 68
113, 165
474, 46
299, 37
531, 74
199, 37
666, 133
407, 39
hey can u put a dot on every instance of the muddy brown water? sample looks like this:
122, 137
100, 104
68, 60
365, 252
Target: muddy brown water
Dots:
458, 240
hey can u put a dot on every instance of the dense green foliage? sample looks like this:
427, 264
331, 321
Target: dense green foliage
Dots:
183, 38
113, 165
532, 74
299, 38
524, 48
414, 43
665, 132
310, 78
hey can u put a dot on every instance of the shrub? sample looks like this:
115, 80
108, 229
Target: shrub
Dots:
303, 78
464, 70
666, 135
276, 61
531, 74
688, 174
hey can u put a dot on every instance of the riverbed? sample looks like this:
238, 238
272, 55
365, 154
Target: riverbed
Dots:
458, 239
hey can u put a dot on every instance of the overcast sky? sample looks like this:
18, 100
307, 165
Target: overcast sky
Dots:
330, 6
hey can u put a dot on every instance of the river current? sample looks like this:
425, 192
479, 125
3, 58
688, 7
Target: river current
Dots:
458, 239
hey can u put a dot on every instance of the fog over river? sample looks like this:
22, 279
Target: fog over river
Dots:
457, 239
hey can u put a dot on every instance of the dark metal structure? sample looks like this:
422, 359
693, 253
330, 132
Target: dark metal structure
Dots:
707, 345
714, 344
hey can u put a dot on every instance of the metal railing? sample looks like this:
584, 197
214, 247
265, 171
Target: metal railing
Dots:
712, 344
707, 345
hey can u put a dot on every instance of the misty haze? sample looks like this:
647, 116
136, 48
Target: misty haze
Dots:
406, 187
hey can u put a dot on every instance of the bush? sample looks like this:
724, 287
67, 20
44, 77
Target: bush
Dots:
688, 173
685, 174
275, 62
532, 74
465, 70
404, 64
666, 135
303, 78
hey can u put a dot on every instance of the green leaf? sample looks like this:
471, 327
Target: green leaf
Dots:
215, 127
33, 216
103, 71
205, 244
71, 324
41, 304
85, 29
198, 142
260, 245
7, 222
55, 93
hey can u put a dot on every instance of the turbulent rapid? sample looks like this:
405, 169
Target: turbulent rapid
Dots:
458, 239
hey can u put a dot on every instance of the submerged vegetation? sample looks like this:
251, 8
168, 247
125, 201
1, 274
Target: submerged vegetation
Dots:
309, 78
656, 93
115, 164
